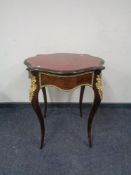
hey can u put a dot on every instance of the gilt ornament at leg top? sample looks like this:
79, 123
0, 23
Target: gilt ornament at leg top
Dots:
33, 87
99, 85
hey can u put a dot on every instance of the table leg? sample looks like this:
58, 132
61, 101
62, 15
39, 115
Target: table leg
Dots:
97, 88
81, 99
34, 91
45, 101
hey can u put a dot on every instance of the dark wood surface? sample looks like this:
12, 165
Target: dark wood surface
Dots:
45, 101
82, 89
64, 63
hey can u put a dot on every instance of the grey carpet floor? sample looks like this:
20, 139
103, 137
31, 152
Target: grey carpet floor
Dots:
66, 150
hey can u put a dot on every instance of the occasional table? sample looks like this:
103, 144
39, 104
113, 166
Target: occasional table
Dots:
65, 71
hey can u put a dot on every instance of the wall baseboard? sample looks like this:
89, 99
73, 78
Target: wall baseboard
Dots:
112, 105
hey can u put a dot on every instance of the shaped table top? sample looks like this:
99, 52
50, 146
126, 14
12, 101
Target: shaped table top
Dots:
64, 63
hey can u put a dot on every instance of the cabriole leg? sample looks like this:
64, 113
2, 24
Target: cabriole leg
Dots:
81, 99
34, 91
45, 101
97, 88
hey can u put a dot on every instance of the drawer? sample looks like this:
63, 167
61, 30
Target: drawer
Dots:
66, 82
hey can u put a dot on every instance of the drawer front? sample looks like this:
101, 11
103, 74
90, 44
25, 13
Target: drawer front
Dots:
66, 82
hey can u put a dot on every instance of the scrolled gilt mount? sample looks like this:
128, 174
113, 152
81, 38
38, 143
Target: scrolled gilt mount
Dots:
33, 87
99, 85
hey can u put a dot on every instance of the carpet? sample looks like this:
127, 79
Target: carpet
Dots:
66, 150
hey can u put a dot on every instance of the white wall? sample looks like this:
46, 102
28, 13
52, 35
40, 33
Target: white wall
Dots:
97, 27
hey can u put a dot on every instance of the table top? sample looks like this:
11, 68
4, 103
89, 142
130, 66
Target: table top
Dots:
64, 63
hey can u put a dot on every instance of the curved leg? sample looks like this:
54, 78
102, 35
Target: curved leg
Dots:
34, 91
81, 99
97, 100
45, 101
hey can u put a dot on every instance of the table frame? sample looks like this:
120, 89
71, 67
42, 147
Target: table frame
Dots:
89, 78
